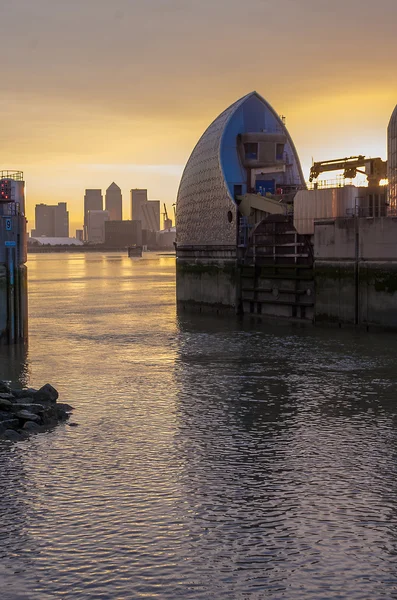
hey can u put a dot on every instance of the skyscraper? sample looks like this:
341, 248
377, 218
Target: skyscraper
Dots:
138, 198
93, 200
144, 210
96, 226
114, 202
51, 220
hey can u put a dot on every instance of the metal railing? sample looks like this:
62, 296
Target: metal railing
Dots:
11, 174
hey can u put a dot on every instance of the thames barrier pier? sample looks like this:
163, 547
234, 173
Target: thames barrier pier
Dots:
254, 238
13, 272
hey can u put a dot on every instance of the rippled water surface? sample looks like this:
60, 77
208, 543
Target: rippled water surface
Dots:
213, 459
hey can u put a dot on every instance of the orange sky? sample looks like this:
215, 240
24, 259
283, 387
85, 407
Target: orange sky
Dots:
97, 91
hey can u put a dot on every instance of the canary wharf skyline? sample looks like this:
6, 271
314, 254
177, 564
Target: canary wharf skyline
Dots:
95, 92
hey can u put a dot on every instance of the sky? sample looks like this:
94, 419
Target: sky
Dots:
95, 91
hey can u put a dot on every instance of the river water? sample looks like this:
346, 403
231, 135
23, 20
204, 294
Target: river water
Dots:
213, 459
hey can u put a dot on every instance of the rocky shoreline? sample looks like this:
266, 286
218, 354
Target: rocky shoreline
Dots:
27, 411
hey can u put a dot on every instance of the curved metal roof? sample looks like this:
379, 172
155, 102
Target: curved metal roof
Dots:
204, 198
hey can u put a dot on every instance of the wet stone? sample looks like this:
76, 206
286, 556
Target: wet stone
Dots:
26, 415
33, 408
5, 396
12, 435
47, 393
5, 404
24, 400
25, 393
4, 387
9, 424
66, 407
32, 427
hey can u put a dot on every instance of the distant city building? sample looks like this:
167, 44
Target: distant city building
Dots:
166, 238
151, 215
144, 210
93, 200
120, 234
114, 202
96, 226
138, 198
392, 161
51, 220
79, 235
53, 241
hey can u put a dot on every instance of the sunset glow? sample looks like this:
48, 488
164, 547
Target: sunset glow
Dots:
97, 92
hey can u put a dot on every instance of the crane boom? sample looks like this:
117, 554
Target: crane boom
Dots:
374, 168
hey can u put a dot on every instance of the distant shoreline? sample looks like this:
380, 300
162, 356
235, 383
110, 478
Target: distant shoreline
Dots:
84, 249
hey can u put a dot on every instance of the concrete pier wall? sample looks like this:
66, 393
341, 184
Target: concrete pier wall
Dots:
355, 272
13, 275
207, 278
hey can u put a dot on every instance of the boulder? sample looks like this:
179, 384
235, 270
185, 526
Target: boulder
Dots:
6, 396
47, 393
25, 393
4, 414
66, 407
5, 404
24, 400
33, 408
12, 435
26, 415
10, 424
4, 387
32, 427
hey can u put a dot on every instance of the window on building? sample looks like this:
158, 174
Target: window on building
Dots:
251, 151
279, 151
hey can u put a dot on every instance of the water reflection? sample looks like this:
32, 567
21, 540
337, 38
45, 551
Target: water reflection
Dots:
283, 443
213, 458
14, 366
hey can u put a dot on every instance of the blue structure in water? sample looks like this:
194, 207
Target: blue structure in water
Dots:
244, 167
247, 149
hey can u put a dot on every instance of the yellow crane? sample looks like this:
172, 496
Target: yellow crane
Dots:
374, 168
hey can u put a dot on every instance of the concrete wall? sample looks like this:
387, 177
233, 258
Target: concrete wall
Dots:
356, 271
206, 278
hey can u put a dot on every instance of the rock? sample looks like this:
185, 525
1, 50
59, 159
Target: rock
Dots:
62, 414
4, 387
73, 424
66, 407
4, 415
5, 404
25, 393
12, 435
10, 424
32, 427
47, 393
34, 408
26, 415
6, 396
24, 400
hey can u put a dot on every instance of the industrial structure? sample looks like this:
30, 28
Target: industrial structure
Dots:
252, 238
13, 273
